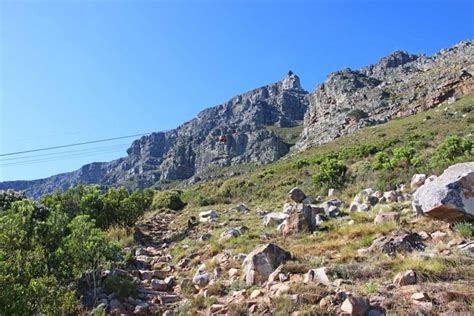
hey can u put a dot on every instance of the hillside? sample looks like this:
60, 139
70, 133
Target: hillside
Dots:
347, 241
262, 126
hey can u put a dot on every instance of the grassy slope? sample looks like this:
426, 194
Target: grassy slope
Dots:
336, 245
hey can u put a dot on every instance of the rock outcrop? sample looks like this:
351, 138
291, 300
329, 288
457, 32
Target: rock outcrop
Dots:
399, 85
248, 128
255, 126
449, 197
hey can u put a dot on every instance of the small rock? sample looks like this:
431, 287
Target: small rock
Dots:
229, 233
390, 196
420, 296
317, 275
296, 195
355, 306
438, 235
201, 279
405, 278
256, 293
274, 219
158, 285
206, 237
208, 216
358, 207
233, 272
387, 217
417, 180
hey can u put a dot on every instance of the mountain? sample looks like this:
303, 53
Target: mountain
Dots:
399, 85
261, 126
249, 123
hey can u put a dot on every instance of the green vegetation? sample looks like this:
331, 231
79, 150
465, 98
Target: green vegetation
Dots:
46, 249
122, 286
332, 174
170, 199
464, 230
115, 207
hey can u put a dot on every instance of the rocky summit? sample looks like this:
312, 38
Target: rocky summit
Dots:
262, 125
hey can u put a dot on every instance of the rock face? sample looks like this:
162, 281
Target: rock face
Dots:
449, 197
399, 85
253, 125
262, 261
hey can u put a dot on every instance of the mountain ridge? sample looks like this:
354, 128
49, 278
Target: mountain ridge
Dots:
400, 84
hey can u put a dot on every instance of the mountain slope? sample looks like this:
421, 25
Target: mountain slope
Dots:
260, 126
194, 146
399, 85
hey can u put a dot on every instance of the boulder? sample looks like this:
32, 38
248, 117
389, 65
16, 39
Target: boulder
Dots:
201, 279
318, 275
355, 306
274, 219
390, 196
302, 219
208, 216
405, 278
229, 233
296, 195
158, 285
358, 207
449, 197
262, 261
417, 180
387, 217
397, 242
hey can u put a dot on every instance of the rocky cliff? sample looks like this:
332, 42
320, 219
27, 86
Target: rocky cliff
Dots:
238, 131
399, 85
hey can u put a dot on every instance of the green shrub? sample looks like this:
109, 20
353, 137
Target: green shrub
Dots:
170, 199
42, 253
332, 174
453, 149
381, 161
464, 230
202, 200
369, 288
470, 119
298, 164
115, 207
122, 286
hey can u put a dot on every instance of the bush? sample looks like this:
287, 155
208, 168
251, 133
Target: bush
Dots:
120, 285
116, 207
453, 149
332, 174
201, 200
464, 230
170, 199
42, 253
298, 164
381, 161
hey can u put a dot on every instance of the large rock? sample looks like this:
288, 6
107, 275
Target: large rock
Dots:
449, 197
262, 261
274, 219
302, 219
297, 195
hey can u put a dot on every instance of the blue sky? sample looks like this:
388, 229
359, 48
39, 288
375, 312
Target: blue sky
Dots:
73, 71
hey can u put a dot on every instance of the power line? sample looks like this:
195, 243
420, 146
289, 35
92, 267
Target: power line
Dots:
65, 152
32, 161
71, 145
